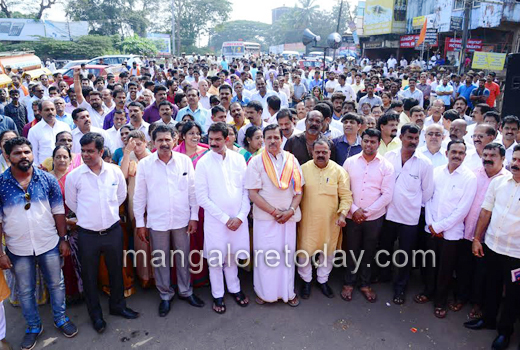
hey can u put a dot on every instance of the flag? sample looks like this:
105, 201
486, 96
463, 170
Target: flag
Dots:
423, 33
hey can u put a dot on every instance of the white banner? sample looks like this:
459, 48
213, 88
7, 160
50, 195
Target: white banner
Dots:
18, 29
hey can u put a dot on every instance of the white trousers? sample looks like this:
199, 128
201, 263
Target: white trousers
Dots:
216, 277
2, 319
323, 270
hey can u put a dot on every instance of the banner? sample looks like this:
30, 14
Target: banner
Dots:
410, 41
456, 44
18, 29
163, 42
488, 60
378, 17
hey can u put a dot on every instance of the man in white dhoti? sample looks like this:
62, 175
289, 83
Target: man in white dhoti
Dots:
219, 186
274, 180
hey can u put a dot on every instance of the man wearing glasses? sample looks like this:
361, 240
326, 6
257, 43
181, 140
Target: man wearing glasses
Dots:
33, 224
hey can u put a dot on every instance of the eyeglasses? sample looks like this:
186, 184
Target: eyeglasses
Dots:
28, 200
436, 134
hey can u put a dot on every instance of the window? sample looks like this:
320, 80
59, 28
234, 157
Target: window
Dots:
476, 3
458, 4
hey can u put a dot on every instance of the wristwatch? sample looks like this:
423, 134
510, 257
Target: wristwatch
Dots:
64, 238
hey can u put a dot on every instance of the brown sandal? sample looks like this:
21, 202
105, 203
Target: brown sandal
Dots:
440, 312
260, 301
421, 299
456, 306
346, 293
369, 294
475, 313
294, 302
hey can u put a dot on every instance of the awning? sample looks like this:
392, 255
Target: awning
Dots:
4, 80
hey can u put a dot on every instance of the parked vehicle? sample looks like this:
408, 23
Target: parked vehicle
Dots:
70, 64
116, 60
97, 70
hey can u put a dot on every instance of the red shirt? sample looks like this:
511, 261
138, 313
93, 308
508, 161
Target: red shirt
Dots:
494, 91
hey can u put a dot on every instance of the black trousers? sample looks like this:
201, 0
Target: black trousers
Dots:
499, 275
407, 236
472, 276
363, 237
91, 245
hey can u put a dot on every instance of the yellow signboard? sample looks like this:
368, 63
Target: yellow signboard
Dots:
378, 17
488, 60
418, 21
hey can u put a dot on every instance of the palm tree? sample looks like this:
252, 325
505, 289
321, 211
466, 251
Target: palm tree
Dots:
305, 12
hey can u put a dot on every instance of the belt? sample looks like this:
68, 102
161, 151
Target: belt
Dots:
102, 232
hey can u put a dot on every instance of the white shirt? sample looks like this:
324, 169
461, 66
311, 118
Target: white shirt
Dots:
509, 152
503, 201
144, 128
95, 198
242, 132
263, 100
284, 139
114, 136
391, 63
452, 198
166, 192
27, 102
413, 187
95, 117
347, 91
43, 139
437, 159
219, 186
283, 98
472, 160
417, 94
77, 135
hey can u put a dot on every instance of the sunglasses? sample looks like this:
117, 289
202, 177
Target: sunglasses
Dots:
28, 200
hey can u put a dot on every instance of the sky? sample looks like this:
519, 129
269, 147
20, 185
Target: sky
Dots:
242, 9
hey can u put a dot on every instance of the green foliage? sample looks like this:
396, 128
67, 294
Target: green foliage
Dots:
84, 47
139, 46
240, 30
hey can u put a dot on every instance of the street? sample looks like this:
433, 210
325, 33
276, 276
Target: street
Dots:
318, 323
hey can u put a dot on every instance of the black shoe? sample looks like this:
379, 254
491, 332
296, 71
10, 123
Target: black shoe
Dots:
126, 313
164, 307
99, 325
30, 338
500, 343
478, 324
326, 290
305, 290
193, 300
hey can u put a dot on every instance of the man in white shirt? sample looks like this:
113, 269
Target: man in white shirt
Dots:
96, 109
284, 121
483, 134
135, 112
413, 187
37, 94
391, 62
219, 187
94, 191
345, 88
113, 134
509, 128
434, 134
43, 134
273, 106
455, 186
262, 95
284, 102
165, 192
331, 84
412, 92
83, 123
499, 221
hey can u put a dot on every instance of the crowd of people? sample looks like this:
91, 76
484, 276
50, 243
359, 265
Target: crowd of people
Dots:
210, 165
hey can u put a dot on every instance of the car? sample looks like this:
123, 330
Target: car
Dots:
110, 60
69, 65
97, 70
311, 63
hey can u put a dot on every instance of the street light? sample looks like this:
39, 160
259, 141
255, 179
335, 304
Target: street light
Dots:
333, 42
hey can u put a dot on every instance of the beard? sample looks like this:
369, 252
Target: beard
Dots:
24, 165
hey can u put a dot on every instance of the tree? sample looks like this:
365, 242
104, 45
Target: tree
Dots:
25, 9
138, 46
239, 30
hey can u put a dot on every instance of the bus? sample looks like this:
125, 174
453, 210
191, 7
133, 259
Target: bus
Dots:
240, 49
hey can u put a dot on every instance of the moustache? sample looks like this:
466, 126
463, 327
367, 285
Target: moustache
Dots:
164, 147
490, 162
458, 159
514, 167
320, 158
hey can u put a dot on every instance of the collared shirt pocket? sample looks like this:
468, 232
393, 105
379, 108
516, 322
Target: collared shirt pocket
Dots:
330, 189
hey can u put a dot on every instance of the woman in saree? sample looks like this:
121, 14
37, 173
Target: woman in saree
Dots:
252, 143
62, 165
191, 133
135, 150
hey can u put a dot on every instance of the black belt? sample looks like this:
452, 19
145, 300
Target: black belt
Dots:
102, 232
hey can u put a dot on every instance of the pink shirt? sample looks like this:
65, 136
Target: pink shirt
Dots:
372, 184
483, 181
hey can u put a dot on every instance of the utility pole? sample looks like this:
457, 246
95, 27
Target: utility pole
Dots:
337, 27
467, 12
173, 27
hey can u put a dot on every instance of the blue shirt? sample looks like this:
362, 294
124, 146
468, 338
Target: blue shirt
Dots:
465, 91
224, 65
242, 102
7, 123
344, 150
66, 118
445, 98
200, 114
314, 83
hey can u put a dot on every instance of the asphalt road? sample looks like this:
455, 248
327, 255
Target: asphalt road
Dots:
318, 323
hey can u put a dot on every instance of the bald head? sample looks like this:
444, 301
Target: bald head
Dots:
458, 129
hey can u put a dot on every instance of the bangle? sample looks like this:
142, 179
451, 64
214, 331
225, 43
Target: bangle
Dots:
294, 211
271, 213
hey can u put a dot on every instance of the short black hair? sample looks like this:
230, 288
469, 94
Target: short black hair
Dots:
163, 128
352, 116
216, 109
454, 142
158, 88
178, 97
219, 127
451, 115
324, 109
409, 103
225, 87
493, 114
411, 128
284, 113
76, 111
17, 141
386, 118
510, 119
272, 127
372, 132
136, 104
6, 131
256, 105
274, 102
496, 145
90, 137
57, 135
